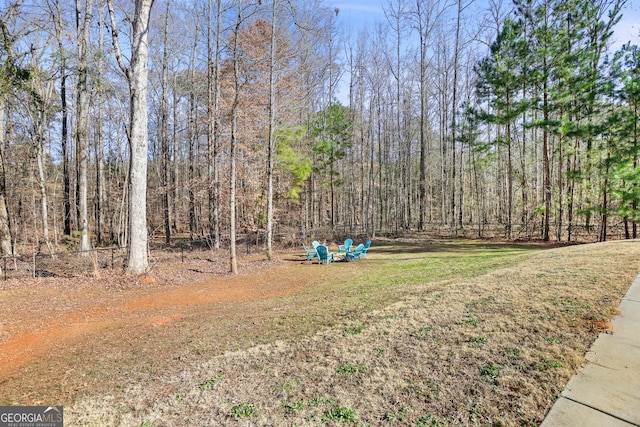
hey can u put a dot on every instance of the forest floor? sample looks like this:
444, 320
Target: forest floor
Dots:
421, 333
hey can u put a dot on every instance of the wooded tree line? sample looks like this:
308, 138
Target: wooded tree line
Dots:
465, 114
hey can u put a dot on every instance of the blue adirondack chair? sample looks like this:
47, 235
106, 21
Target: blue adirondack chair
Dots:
324, 256
311, 253
366, 248
355, 254
346, 248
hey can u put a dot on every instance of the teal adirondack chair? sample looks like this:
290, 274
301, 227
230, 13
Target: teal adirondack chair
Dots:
324, 256
311, 253
346, 248
366, 248
355, 254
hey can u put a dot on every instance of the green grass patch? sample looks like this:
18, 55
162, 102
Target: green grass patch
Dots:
512, 351
571, 305
470, 318
477, 340
293, 407
547, 364
399, 416
354, 331
340, 414
491, 371
431, 420
422, 332
244, 410
211, 382
404, 263
351, 369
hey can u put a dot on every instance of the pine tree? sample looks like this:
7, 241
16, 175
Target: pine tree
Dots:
332, 132
624, 123
499, 88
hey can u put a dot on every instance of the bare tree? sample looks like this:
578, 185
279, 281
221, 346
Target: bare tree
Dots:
83, 27
136, 74
272, 125
100, 207
396, 15
56, 13
165, 172
192, 135
233, 258
5, 222
425, 18
40, 92
213, 134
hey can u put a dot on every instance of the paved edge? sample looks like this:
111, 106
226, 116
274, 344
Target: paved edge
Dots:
606, 390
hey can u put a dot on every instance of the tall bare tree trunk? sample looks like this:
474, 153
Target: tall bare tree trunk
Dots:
272, 125
176, 163
39, 140
233, 259
83, 27
509, 184
427, 15
331, 77
165, 172
546, 167
395, 17
213, 92
137, 75
454, 116
99, 148
64, 129
6, 247
191, 137
192, 132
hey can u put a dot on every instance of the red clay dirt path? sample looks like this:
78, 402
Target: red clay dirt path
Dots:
43, 317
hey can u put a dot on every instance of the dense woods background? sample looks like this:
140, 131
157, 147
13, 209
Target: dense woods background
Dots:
515, 119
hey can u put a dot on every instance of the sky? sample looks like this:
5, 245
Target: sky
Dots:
629, 26
357, 13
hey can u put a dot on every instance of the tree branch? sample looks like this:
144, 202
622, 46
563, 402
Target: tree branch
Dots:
114, 37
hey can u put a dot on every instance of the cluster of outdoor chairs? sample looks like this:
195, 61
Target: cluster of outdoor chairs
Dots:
350, 253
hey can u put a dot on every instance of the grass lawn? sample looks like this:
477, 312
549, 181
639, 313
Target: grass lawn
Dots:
422, 333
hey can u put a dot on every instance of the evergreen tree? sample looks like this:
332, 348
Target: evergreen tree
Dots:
295, 164
624, 123
332, 132
498, 86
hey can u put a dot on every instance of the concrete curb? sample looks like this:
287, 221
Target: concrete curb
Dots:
606, 391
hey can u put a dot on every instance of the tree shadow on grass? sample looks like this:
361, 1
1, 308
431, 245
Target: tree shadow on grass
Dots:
461, 247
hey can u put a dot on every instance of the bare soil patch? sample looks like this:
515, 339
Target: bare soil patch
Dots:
50, 323
406, 337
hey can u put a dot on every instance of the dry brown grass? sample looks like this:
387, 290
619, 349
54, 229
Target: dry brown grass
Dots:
456, 333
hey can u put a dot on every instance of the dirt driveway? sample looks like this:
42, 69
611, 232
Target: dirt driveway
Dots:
51, 324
